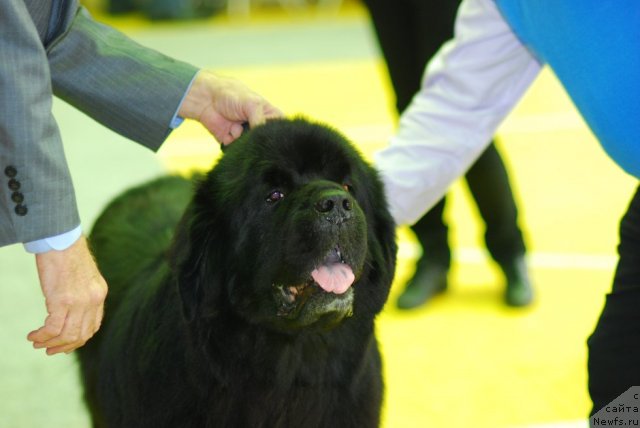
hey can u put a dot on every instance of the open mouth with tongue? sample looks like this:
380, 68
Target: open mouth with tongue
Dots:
333, 275
327, 293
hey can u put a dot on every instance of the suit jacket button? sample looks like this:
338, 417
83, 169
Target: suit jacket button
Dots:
14, 184
10, 171
17, 197
21, 210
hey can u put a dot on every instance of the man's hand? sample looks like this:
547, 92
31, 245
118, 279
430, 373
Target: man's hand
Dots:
74, 294
222, 105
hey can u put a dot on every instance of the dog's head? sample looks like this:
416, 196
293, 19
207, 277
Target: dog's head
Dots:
289, 230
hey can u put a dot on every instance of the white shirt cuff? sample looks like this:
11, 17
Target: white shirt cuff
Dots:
177, 120
58, 242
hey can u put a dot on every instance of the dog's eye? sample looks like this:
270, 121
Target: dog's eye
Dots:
275, 196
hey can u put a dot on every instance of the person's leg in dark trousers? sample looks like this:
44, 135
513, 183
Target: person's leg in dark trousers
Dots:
614, 346
430, 277
489, 185
410, 32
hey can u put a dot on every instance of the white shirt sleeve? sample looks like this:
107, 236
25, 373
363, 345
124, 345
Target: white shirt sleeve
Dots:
468, 88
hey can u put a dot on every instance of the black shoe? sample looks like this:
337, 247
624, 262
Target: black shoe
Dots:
519, 291
428, 280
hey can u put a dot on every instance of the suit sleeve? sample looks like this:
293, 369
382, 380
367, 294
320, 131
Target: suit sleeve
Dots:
131, 89
36, 192
468, 88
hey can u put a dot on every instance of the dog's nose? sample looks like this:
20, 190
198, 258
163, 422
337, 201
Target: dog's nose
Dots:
335, 202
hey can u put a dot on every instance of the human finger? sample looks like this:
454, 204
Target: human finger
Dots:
90, 324
255, 116
70, 334
53, 325
261, 113
86, 332
272, 112
235, 130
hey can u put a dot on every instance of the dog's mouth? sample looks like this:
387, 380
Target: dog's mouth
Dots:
329, 283
333, 275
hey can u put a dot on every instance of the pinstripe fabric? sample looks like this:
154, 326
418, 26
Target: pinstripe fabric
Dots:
29, 137
40, 14
132, 90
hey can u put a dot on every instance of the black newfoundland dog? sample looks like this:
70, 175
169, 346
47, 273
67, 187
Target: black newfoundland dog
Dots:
251, 302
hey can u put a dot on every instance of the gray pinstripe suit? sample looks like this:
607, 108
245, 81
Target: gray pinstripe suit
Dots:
52, 47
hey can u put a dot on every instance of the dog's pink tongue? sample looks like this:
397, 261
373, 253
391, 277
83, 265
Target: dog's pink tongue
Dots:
334, 278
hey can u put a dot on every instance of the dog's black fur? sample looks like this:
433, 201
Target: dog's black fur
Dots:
220, 324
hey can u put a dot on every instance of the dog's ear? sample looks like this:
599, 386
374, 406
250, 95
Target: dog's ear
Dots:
193, 257
383, 246
385, 231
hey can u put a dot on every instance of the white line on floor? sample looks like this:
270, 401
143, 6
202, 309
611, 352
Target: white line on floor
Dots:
536, 259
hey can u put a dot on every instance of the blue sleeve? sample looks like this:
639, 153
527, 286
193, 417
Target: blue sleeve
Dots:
593, 46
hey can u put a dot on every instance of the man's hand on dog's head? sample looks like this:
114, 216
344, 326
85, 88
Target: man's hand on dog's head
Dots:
222, 105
